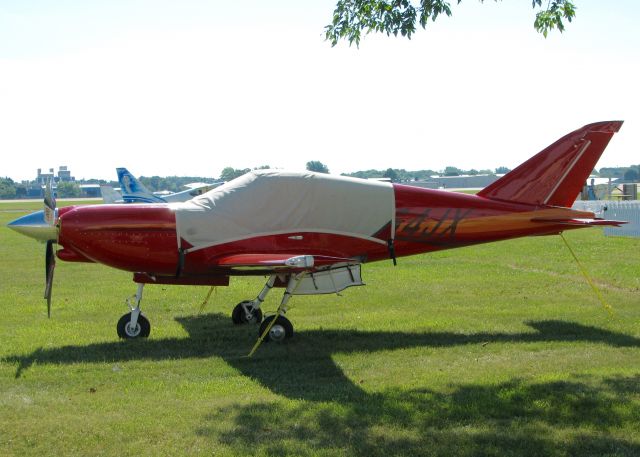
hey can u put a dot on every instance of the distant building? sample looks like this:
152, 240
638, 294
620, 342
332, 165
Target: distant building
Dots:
90, 190
64, 175
43, 178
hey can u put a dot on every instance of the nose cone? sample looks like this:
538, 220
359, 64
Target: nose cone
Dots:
33, 225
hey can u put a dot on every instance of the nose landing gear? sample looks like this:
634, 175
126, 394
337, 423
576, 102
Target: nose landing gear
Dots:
134, 324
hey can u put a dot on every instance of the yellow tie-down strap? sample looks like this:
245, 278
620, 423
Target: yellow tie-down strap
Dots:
587, 277
298, 279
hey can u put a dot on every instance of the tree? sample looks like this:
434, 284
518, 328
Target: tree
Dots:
7, 188
612, 172
352, 17
391, 174
452, 171
229, 173
68, 190
631, 175
317, 166
502, 170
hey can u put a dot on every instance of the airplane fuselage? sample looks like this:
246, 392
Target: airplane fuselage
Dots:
143, 238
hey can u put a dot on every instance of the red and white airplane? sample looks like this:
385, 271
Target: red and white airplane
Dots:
311, 233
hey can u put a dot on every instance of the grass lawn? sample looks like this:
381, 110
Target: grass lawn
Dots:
494, 350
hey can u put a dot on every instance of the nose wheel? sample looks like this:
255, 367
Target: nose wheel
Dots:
127, 330
134, 324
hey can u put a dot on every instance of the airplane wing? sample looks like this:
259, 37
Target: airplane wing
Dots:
198, 188
318, 274
197, 185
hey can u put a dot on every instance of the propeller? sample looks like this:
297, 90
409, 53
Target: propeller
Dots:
50, 265
51, 218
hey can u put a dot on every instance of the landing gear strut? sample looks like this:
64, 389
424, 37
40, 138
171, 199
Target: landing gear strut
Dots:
134, 324
248, 311
277, 327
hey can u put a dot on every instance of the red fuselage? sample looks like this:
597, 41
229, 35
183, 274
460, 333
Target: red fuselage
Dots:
143, 238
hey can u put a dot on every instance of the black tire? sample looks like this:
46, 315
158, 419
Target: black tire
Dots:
281, 330
142, 330
239, 317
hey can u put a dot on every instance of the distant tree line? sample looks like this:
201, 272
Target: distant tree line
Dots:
10, 189
631, 173
402, 175
170, 183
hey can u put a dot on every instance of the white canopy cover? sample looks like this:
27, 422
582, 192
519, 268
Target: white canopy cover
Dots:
269, 202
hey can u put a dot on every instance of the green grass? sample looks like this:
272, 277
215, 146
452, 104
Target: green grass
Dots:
493, 350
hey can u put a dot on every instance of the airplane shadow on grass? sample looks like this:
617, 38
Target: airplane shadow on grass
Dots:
308, 354
333, 415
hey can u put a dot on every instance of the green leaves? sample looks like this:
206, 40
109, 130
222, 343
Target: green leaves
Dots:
353, 17
317, 166
553, 16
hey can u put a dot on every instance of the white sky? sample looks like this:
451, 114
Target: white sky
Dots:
188, 88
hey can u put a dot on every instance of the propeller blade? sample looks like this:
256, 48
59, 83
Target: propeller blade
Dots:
51, 218
50, 265
50, 209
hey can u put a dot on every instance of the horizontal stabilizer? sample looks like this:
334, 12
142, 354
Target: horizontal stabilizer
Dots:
579, 222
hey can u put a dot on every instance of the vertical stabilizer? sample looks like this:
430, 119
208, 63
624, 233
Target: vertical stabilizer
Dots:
555, 175
133, 191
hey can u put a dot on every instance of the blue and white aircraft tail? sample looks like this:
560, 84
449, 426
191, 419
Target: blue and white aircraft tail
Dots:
133, 191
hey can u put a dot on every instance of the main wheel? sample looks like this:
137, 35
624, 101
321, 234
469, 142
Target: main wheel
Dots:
240, 316
281, 330
141, 329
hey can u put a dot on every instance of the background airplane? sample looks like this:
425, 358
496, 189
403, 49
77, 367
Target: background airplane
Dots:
133, 191
35, 226
311, 233
110, 195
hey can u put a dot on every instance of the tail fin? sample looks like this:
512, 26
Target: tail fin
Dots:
109, 194
555, 175
133, 191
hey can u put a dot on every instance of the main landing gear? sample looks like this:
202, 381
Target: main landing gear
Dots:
134, 324
273, 328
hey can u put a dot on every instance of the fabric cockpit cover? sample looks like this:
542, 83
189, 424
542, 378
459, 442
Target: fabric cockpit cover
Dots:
267, 202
